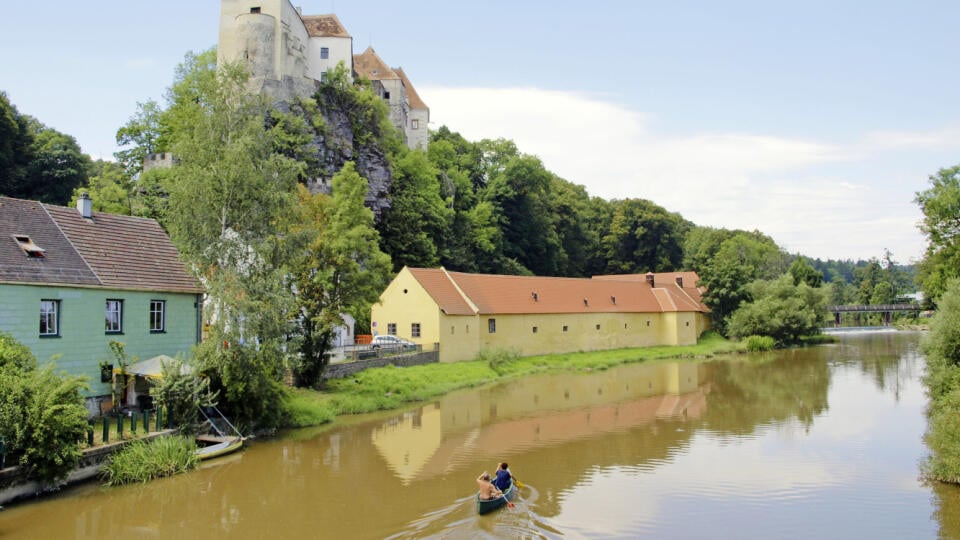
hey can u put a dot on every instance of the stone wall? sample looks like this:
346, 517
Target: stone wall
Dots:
346, 369
15, 485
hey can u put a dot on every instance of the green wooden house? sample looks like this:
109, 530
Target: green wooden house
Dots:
72, 280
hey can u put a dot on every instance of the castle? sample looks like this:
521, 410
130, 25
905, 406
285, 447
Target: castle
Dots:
289, 54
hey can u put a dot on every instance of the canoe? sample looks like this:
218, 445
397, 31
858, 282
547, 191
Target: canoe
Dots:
209, 447
487, 506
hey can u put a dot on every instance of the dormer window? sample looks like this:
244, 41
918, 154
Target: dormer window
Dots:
28, 247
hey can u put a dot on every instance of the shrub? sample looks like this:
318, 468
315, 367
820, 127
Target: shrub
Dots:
42, 416
499, 360
759, 343
141, 461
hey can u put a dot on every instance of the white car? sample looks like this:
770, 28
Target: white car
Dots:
391, 342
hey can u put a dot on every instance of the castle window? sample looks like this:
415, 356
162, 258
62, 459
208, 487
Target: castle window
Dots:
324, 52
323, 76
386, 95
415, 124
255, 9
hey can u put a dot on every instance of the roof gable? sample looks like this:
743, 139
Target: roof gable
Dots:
412, 96
370, 65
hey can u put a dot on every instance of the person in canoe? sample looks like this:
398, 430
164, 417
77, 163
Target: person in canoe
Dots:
504, 478
488, 491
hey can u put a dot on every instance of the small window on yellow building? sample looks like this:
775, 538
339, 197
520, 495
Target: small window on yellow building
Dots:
598, 327
451, 330
492, 326
415, 329
648, 323
534, 329
392, 329
564, 328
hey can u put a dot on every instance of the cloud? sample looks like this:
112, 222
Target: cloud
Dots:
813, 195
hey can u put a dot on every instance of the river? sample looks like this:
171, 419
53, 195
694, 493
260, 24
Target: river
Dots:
822, 442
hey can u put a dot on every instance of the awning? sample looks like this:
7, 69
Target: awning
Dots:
153, 367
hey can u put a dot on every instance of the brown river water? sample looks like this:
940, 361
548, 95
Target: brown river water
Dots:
823, 442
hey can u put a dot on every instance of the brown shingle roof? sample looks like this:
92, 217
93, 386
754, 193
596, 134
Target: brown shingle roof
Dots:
61, 264
324, 26
109, 250
372, 67
492, 294
412, 96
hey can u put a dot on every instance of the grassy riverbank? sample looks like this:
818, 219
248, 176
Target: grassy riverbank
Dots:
391, 387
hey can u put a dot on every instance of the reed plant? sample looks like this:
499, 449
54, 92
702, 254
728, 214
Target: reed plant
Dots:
144, 460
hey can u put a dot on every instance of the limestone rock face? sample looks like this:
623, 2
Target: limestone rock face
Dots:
336, 144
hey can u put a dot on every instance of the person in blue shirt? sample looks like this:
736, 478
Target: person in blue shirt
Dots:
504, 478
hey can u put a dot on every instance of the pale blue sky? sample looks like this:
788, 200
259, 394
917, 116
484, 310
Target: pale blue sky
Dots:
815, 121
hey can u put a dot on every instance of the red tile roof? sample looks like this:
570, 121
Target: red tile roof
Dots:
412, 96
460, 293
324, 26
108, 250
371, 66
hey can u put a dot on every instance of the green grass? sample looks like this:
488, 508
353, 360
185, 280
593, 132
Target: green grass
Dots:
141, 461
391, 387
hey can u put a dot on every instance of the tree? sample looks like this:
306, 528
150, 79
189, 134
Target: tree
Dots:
942, 379
16, 140
780, 309
413, 228
230, 198
940, 205
740, 259
108, 187
643, 237
341, 270
42, 416
803, 272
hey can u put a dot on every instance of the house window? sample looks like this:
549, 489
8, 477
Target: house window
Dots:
255, 10
323, 76
114, 317
386, 95
392, 329
415, 124
324, 52
415, 329
534, 329
492, 326
598, 327
648, 323
49, 317
157, 315
564, 328
451, 330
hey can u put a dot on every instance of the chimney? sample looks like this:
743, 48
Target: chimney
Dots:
649, 276
85, 206
680, 281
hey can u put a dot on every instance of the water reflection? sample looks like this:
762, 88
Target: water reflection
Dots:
819, 442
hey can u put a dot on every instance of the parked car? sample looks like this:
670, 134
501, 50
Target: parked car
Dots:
392, 342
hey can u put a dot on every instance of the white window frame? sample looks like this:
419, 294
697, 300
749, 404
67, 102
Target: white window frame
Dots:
158, 313
49, 317
113, 316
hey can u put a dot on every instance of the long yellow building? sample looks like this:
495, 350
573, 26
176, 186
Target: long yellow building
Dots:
467, 313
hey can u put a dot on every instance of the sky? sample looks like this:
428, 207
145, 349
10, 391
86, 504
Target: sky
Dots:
815, 122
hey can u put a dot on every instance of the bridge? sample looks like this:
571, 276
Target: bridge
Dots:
886, 310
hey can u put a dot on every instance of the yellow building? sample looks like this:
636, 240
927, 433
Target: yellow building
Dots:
467, 313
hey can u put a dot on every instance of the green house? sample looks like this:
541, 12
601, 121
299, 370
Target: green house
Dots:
72, 280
